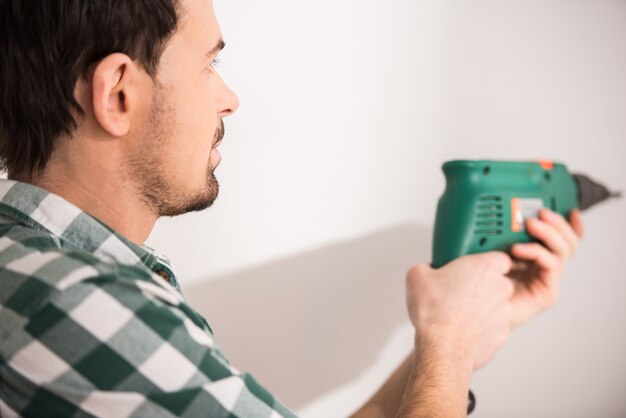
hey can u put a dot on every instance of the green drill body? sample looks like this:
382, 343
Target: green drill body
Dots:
486, 203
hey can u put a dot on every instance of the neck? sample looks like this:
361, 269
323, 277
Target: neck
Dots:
102, 193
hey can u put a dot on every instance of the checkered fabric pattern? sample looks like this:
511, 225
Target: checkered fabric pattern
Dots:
89, 326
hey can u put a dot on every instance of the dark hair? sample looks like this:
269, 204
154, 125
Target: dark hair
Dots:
46, 46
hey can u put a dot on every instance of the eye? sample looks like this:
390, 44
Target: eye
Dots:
215, 63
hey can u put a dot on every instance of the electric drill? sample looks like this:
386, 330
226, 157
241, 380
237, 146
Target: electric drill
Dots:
486, 203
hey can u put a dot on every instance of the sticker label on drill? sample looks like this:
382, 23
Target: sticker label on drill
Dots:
522, 209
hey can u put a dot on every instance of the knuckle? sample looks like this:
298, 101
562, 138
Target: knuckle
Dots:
415, 270
508, 288
560, 219
506, 261
498, 261
536, 225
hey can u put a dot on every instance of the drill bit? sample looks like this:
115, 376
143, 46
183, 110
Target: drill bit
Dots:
591, 192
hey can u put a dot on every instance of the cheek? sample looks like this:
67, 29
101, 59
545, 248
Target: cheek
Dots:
194, 109
196, 123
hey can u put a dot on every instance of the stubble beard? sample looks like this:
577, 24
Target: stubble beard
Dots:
154, 185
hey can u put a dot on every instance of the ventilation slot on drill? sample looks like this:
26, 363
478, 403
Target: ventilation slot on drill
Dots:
489, 215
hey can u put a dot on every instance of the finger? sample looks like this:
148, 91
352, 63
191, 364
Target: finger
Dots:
538, 254
550, 236
565, 229
576, 219
547, 262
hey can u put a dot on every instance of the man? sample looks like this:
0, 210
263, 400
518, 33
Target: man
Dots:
110, 117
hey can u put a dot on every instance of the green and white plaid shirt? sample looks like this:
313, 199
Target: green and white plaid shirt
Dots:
89, 326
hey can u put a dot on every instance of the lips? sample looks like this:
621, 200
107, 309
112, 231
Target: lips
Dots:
219, 135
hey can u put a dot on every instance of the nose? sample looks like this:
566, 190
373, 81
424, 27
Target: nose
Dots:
228, 102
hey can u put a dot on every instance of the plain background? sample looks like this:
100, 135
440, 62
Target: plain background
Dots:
331, 174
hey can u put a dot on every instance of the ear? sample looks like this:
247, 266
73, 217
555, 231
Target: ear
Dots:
115, 86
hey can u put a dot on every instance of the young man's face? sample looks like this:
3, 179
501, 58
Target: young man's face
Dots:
178, 155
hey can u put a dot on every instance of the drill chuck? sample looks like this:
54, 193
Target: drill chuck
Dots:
591, 192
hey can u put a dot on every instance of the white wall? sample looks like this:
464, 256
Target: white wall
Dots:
330, 177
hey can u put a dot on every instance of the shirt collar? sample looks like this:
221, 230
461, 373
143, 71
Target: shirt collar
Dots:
50, 213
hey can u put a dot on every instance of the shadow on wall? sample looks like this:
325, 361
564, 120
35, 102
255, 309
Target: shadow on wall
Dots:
309, 324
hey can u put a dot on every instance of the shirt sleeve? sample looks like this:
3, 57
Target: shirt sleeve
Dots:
116, 347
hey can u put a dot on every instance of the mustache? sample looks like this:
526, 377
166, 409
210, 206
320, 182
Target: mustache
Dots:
219, 132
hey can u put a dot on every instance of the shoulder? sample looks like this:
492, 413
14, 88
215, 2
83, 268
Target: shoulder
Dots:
69, 302
37, 269
101, 331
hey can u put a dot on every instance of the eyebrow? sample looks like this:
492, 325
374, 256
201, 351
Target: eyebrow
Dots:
217, 48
